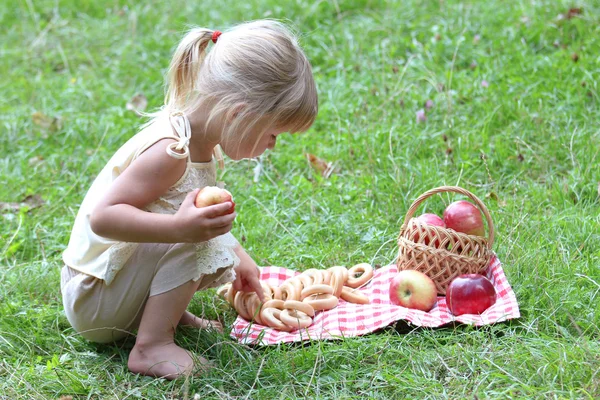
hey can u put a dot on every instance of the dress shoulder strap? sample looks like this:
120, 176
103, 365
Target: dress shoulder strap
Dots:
181, 124
180, 149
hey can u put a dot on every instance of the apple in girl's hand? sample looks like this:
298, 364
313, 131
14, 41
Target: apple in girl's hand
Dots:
464, 217
413, 289
470, 294
211, 195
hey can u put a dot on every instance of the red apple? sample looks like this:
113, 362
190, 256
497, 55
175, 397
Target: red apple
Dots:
464, 217
470, 294
430, 219
413, 289
211, 195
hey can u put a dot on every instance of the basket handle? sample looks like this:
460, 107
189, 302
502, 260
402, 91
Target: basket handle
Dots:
411, 211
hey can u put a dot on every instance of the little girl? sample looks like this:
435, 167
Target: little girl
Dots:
139, 248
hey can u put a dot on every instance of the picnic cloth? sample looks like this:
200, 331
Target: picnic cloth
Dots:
348, 319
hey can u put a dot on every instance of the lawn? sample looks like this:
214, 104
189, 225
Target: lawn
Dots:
514, 119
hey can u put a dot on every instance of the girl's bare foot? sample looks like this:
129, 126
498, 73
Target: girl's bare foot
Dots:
161, 360
189, 319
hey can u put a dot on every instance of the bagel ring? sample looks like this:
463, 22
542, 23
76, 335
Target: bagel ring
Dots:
222, 291
299, 306
365, 272
354, 296
275, 293
270, 317
289, 292
254, 308
337, 282
295, 319
294, 282
306, 280
275, 303
343, 271
241, 306
315, 274
316, 289
326, 276
267, 290
322, 302
230, 296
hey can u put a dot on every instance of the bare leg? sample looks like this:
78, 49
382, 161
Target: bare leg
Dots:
155, 352
189, 319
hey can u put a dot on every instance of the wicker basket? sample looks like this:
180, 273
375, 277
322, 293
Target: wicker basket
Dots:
443, 253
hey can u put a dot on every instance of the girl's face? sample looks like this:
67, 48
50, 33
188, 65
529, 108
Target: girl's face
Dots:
260, 138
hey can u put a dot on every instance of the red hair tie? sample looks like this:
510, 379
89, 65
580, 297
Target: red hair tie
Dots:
216, 35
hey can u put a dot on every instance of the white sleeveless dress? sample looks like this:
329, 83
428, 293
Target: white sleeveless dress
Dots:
105, 283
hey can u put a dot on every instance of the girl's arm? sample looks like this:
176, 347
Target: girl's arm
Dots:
119, 213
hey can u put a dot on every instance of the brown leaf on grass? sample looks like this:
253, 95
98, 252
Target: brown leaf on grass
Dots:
324, 167
138, 103
46, 122
571, 13
494, 196
575, 57
31, 201
35, 160
65, 398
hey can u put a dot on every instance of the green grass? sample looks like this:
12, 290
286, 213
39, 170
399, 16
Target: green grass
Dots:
528, 145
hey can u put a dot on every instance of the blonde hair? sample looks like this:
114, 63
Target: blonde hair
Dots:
256, 69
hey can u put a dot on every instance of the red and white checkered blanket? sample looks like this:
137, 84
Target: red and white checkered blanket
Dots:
349, 319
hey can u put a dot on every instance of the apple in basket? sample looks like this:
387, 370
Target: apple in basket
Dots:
470, 294
413, 289
430, 219
211, 195
464, 217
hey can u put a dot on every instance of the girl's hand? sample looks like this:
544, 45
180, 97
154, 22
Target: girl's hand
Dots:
247, 275
194, 224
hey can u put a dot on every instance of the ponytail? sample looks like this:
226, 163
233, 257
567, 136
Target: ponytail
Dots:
185, 67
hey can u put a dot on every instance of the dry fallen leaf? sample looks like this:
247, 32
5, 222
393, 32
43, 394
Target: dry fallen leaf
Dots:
46, 122
571, 13
31, 201
138, 103
494, 196
324, 167
35, 160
